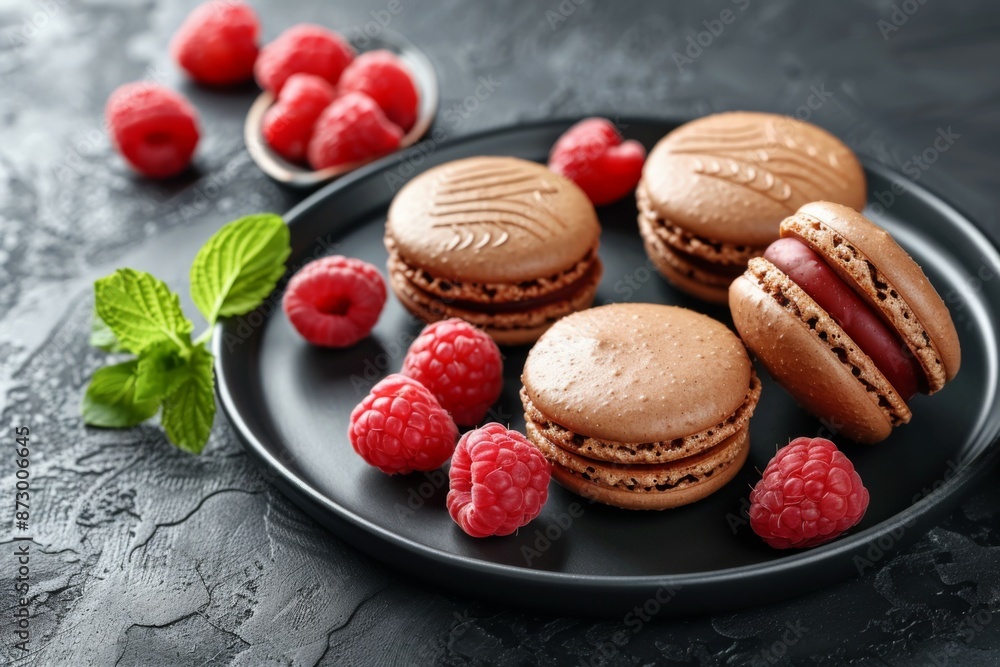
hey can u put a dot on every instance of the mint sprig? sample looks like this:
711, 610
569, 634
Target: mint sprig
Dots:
236, 269
135, 312
140, 310
110, 399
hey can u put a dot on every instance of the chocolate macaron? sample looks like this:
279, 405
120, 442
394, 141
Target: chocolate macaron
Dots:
846, 321
640, 406
500, 242
714, 190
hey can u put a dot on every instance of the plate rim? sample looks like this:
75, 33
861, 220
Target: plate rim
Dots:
943, 499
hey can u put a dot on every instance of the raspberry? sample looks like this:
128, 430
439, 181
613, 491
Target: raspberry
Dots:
809, 494
593, 155
154, 128
399, 427
335, 301
217, 43
302, 49
461, 365
352, 129
288, 125
499, 481
384, 78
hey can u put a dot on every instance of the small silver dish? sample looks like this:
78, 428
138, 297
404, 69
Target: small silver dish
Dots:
295, 175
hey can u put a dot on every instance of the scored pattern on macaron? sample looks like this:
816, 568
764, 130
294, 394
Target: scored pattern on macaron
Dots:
762, 157
714, 190
500, 242
483, 204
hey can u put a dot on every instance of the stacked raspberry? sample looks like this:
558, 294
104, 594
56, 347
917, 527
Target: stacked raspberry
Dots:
333, 108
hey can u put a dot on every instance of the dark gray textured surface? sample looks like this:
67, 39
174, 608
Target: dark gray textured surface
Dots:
144, 555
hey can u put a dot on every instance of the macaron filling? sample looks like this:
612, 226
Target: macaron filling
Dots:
646, 478
554, 296
807, 269
728, 271
712, 258
627, 453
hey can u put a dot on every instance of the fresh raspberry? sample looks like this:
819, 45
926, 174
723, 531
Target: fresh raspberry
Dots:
593, 155
302, 49
217, 43
399, 427
289, 123
154, 128
809, 494
461, 365
352, 129
335, 301
383, 77
499, 481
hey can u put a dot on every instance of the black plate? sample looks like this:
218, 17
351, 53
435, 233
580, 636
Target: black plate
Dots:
290, 402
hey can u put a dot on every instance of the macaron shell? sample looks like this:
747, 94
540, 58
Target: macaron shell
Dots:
490, 293
634, 372
492, 220
722, 470
509, 328
684, 241
733, 176
864, 254
628, 453
682, 275
798, 343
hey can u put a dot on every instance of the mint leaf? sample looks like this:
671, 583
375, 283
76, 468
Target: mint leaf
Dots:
189, 410
140, 310
239, 266
161, 371
101, 335
110, 399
